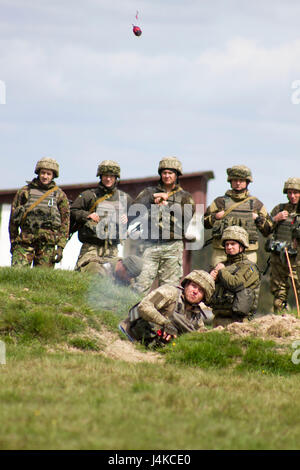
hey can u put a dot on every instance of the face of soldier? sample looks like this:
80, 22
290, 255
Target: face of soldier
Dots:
168, 177
193, 293
45, 176
238, 184
122, 273
108, 180
232, 247
293, 196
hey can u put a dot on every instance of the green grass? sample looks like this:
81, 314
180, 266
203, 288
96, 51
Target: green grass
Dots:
57, 391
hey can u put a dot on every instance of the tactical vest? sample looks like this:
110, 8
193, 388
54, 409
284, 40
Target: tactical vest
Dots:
242, 216
243, 301
171, 223
283, 231
45, 215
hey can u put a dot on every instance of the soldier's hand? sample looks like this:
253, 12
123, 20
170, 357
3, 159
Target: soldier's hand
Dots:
219, 215
95, 217
58, 254
283, 215
160, 198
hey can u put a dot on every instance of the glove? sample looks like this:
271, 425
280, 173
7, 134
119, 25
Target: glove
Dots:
58, 254
170, 329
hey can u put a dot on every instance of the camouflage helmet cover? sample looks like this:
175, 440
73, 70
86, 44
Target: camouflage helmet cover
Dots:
170, 163
239, 171
236, 233
47, 164
291, 183
203, 279
109, 167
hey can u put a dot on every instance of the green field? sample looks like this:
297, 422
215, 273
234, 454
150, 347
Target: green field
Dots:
58, 390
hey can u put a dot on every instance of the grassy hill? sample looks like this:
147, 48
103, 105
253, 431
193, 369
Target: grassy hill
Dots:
71, 381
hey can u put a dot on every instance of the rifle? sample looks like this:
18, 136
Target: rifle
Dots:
267, 266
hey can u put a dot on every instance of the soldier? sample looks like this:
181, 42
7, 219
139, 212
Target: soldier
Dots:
170, 310
168, 209
100, 215
237, 207
237, 280
296, 242
39, 219
284, 216
122, 270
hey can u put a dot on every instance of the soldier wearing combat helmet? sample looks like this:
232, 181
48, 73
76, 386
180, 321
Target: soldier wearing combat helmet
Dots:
284, 216
39, 219
237, 207
237, 280
100, 215
168, 210
170, 310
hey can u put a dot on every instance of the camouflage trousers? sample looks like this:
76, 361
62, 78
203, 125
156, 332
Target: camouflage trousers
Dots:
36, 254
91, 257
280, 279
161, 261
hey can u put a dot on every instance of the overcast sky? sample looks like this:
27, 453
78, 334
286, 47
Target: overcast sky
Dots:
208, 81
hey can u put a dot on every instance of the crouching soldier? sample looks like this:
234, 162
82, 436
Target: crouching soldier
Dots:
39, 219
122, 271
237, 280
170, 311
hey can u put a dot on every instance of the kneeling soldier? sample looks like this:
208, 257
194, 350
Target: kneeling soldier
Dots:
170, 311
237, 280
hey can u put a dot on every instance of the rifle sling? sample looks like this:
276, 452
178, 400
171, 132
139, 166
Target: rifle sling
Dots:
231, 208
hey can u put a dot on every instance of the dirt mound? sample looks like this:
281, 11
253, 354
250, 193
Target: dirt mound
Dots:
279, 328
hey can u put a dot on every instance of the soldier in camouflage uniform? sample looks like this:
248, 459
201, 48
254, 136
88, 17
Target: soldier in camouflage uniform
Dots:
237, 280
284, 216
237, 207
39, 219
100, 215
168, 209
123, 271
296, 242
169, 311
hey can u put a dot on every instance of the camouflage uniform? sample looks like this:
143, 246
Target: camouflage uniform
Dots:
237, 285
34, 235
241, 215
99, 240
166, 310
296, 241
281, 237
163, 234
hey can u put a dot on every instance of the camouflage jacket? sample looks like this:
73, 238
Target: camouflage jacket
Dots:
283, 230
113, 202
239, 216
238, 281
159, 305
164, 222
45, 228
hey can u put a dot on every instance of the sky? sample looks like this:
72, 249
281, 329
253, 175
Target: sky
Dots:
215, 83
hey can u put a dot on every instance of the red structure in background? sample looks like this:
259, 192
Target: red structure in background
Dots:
195, 183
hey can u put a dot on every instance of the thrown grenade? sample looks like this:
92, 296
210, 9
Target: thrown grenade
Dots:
137, 30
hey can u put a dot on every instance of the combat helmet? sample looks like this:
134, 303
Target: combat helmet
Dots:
236, 233
109, 167
170, 163
203, 279
291, 183
239, 171
47, 164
